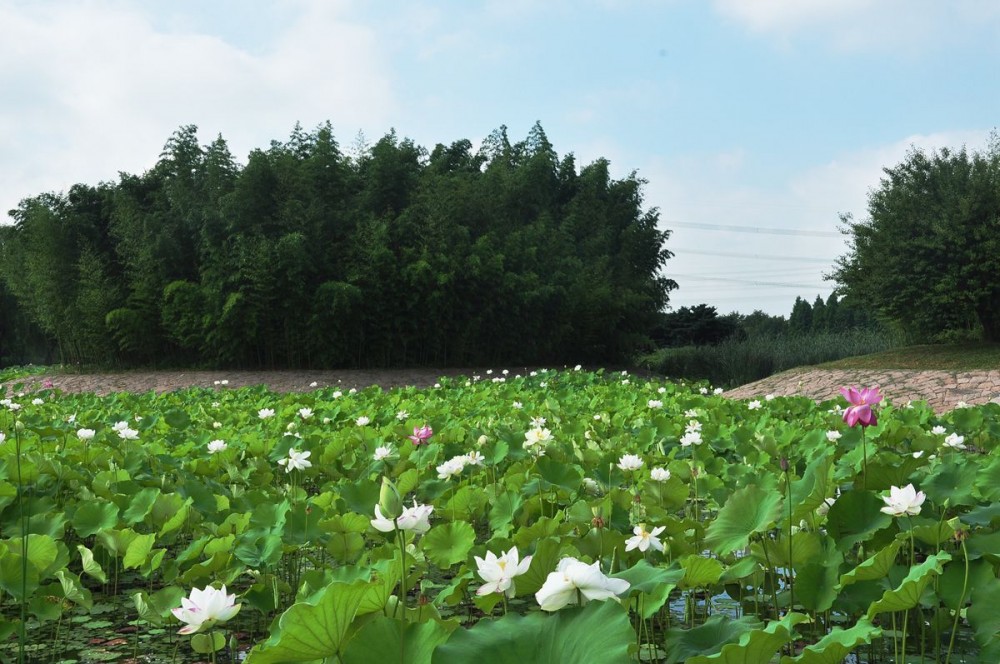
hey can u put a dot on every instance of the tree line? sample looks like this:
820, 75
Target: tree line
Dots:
392, 255
701, 325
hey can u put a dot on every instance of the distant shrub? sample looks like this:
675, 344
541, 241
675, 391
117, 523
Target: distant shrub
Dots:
739, 361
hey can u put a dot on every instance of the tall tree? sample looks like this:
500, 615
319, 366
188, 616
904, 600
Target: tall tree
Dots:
928, 254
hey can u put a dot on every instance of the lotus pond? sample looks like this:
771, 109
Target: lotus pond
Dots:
558, 516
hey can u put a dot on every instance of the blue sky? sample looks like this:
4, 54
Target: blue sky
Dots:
761, 114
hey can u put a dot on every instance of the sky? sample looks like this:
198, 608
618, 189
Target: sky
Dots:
756, 123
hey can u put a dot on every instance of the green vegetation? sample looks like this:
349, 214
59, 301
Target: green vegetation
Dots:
927, 257
738, 361
394, 255
727, 530
948, 357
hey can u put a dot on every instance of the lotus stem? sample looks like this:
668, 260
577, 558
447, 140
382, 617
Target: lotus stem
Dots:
961, 602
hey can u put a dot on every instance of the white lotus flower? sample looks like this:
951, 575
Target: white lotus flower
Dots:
415, 519
691, 438
217, 446
717, 391
577, 367
654, 403
499, 572
352, 391
128, 434
305, 413
753, 405
86, 434
120, 425
383, 452
905, 501
451, 467
768, 397
362, 421
577, 582
692, 426
591, 486
537, 437
956, 441
645, 539
629, 462
474, 458
204, 608
338, 394
402, 415
661, 390
265, 413
537, 422
825, 506
833, 436
314, 384
216, 425
659, 474
518, 405
691, 412
37, 402
938, 430
296, 460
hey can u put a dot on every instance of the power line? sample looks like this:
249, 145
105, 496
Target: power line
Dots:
769, 257
778, 284
751, 229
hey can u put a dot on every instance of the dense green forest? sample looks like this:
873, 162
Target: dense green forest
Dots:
305, 256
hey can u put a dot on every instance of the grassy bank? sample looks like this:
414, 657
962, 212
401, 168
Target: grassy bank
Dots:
953, 357
737, 362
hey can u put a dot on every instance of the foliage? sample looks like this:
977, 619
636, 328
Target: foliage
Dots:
736, 362
928, 254
142, 511
307, 257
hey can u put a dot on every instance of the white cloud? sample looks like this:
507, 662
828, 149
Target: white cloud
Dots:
853, 25
712, 189
94, 88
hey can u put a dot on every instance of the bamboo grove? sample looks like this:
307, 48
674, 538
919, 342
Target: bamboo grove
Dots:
388, 254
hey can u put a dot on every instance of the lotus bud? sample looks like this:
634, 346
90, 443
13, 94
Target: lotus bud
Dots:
389, 500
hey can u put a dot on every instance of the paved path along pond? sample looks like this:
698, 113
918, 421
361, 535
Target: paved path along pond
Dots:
943, 390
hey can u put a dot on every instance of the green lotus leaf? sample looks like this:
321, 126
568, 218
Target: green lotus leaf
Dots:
835, 646
379, 641
310, 631
854, 517
709, 637
543, 562
907, 594
749, 510
140, 505
876, 567
90, 566
700, 572
596, 632
557, 473
92, 517
138, 550
757, 646
449, 543
953, 481
177, 419
982, 614
73, 590
809, 492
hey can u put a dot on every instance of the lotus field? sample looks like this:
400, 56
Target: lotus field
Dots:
556, 516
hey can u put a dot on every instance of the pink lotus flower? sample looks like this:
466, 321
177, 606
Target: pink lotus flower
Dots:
860, 410
421, 435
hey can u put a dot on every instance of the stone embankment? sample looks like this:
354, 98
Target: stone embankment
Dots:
942, 390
